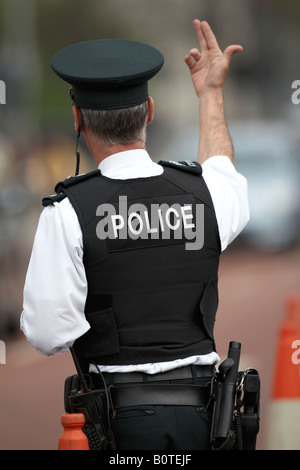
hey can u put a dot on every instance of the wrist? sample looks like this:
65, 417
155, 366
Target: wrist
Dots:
211, 94
211, 106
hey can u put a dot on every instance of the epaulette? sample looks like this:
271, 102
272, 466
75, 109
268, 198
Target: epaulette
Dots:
186, 165
48, 200
70, 181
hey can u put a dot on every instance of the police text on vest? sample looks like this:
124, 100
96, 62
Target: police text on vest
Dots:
153, 221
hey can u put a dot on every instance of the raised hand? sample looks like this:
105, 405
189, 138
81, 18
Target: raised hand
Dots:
209, 67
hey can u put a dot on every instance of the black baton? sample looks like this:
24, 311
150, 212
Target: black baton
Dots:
223, 394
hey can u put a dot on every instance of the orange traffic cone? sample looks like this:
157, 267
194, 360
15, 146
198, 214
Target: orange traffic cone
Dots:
73, 437
287, 378
284, 410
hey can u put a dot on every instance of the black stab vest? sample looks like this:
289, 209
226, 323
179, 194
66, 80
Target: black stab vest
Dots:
150, 299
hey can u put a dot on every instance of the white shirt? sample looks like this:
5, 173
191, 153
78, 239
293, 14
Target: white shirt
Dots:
55, 288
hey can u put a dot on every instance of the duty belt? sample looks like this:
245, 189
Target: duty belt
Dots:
138, 389
160, 394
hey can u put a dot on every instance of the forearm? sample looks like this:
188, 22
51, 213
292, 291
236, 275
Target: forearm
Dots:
214, 137
208, 70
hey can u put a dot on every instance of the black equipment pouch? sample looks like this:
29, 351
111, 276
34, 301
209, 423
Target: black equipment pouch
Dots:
95, 405
247, 409
235, 403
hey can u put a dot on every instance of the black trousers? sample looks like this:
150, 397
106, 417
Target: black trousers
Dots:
165, 428
161, 427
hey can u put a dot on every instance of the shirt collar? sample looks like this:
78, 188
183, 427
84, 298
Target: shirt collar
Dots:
129, 164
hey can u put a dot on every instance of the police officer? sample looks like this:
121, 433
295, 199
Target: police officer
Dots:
139, 305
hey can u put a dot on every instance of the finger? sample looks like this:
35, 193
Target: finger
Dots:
195, 54
209, 36
231, 50
189, 61
198, 29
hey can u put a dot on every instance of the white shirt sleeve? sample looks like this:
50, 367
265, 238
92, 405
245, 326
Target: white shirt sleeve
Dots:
229, 193
55, 288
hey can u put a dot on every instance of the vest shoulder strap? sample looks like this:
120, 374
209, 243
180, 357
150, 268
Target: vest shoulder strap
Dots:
50, 200
70, 181
186, 165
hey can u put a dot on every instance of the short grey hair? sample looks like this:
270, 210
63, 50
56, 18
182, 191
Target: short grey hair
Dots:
117, 126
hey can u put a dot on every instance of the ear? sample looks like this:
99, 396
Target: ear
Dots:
150, 110
77, 117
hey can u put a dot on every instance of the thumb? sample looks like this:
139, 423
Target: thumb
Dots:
231, 50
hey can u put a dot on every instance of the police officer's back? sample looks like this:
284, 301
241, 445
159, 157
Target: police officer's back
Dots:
138, 245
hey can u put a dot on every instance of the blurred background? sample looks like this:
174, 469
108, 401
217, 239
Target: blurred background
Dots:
259, 273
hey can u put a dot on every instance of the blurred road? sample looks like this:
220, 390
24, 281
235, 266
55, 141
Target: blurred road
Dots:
253, 292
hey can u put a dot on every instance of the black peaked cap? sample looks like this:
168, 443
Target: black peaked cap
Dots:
108, 73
